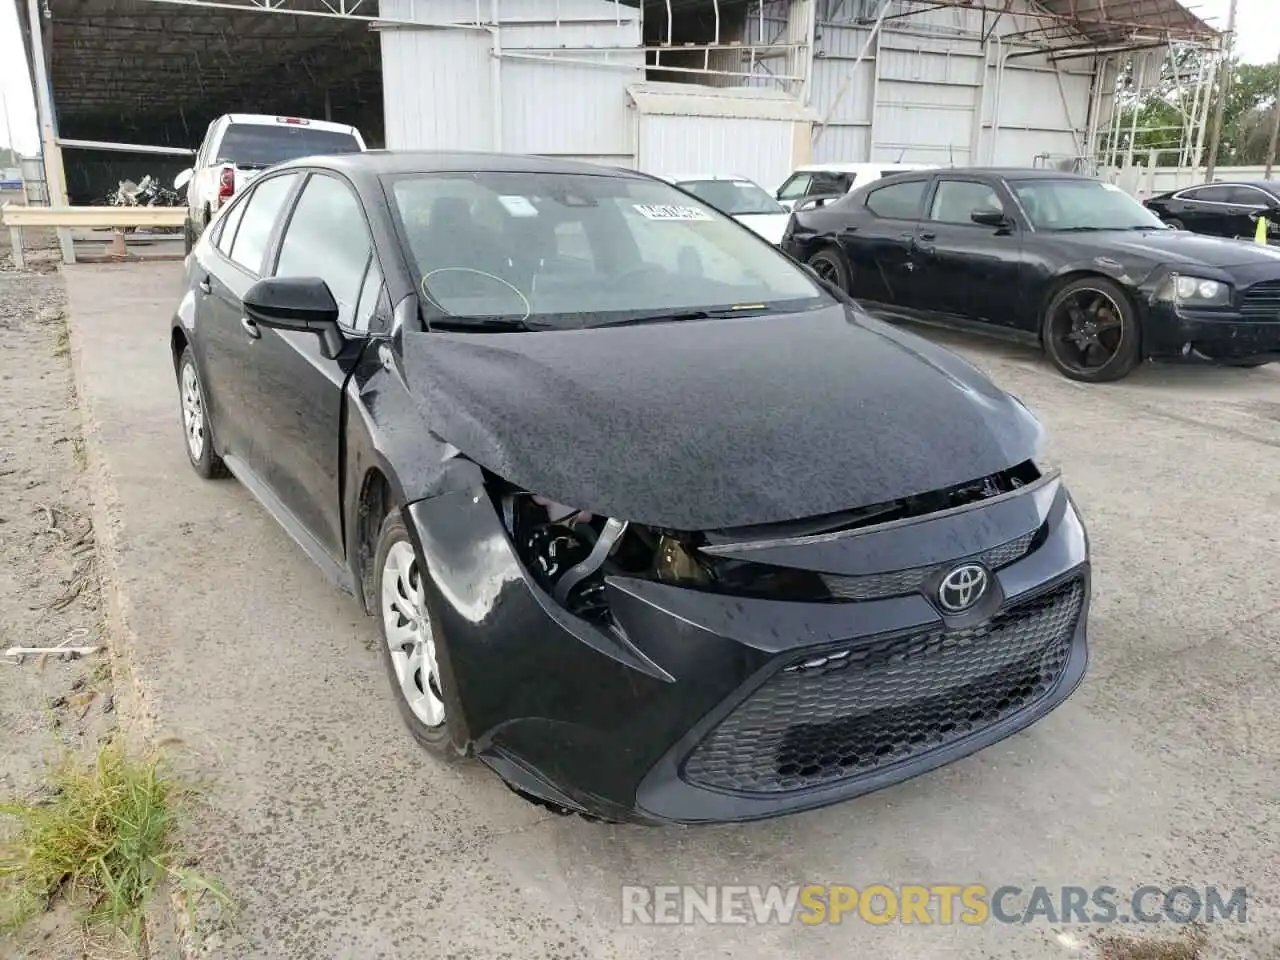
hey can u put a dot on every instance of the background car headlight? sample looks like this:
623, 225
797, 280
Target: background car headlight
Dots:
1197, 291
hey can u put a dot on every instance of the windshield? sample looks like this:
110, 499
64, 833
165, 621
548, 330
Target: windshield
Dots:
734, 197
1081, 205
572, 250
258, 143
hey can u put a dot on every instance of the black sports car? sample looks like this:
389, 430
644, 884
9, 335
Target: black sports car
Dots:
1221, 209
651, 522
1057, 259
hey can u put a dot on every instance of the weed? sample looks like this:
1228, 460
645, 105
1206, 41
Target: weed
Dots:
1187, 946
105, 837
62, 342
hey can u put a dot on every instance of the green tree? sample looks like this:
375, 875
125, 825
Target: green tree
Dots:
1166, 110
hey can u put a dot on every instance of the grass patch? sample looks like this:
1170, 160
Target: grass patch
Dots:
62, 342
104, 838
1189, 945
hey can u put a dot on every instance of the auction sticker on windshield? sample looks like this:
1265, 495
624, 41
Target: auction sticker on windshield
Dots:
665, 211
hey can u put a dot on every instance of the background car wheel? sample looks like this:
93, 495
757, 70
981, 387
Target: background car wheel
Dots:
1090, 331
188, 240
830, 265
409, 639
1176, 223
195, 420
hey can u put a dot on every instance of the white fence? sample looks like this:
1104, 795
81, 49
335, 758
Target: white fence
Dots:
1145, 182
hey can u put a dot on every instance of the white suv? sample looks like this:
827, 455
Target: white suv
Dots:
826, 179
239, 146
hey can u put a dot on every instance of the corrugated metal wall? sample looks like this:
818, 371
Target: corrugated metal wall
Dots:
925, 90
441, 92
685, 145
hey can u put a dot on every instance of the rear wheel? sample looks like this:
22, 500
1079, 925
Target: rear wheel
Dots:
1176, 223
1090, 331
195, 420
830, 265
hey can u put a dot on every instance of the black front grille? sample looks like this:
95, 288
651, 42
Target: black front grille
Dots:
1262, 301
845, 713
876, 586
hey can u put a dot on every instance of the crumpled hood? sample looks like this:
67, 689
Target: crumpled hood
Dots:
718, 423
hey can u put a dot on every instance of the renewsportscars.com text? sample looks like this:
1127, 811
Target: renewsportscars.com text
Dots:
969, 904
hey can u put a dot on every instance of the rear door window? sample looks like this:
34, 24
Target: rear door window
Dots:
1215, 194
226, 227
898, 201
262, 209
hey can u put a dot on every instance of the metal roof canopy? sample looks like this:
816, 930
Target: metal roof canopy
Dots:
158, 71
1109, 26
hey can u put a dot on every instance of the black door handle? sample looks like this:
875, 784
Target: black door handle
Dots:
250, 327
205, 286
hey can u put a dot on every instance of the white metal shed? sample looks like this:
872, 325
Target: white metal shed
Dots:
751, 132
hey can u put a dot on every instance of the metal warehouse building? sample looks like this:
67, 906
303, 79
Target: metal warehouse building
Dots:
744, 86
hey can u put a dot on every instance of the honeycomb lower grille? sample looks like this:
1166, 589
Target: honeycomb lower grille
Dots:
847, 713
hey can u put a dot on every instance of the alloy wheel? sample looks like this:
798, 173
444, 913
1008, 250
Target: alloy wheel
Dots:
407, 626
192, 411
1087, 328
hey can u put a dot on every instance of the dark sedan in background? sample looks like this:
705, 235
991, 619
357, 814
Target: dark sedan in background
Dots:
1057, 259
1222, 209
650, 521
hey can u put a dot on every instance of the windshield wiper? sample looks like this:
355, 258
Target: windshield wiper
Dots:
488, 324
677, 316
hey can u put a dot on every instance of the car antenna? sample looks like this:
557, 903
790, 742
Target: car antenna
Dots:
901, 153
951, 156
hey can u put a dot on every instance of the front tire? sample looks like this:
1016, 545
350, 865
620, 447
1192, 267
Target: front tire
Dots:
830, 265
409, 639
1176, 223
195, 420
1090, 331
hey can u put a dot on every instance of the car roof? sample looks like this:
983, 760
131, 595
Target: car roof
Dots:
392, 162
1271, 186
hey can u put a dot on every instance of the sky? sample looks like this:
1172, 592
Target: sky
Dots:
1257, 41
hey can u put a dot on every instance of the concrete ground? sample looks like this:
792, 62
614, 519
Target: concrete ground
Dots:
340, 839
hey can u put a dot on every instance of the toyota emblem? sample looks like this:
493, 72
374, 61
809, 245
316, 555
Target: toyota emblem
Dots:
963, 587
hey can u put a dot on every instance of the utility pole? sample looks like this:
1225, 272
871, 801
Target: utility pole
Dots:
1224, 86
1275, 125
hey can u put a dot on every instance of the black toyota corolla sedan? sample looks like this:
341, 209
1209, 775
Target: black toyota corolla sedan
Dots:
1067, 262
651, 522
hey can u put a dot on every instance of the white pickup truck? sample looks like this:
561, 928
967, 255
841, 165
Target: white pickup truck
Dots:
239, 146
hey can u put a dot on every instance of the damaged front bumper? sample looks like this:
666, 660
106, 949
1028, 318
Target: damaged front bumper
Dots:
694, 706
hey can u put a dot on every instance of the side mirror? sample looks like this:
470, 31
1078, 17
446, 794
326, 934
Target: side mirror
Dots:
990, 218
296, 303
182, 179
